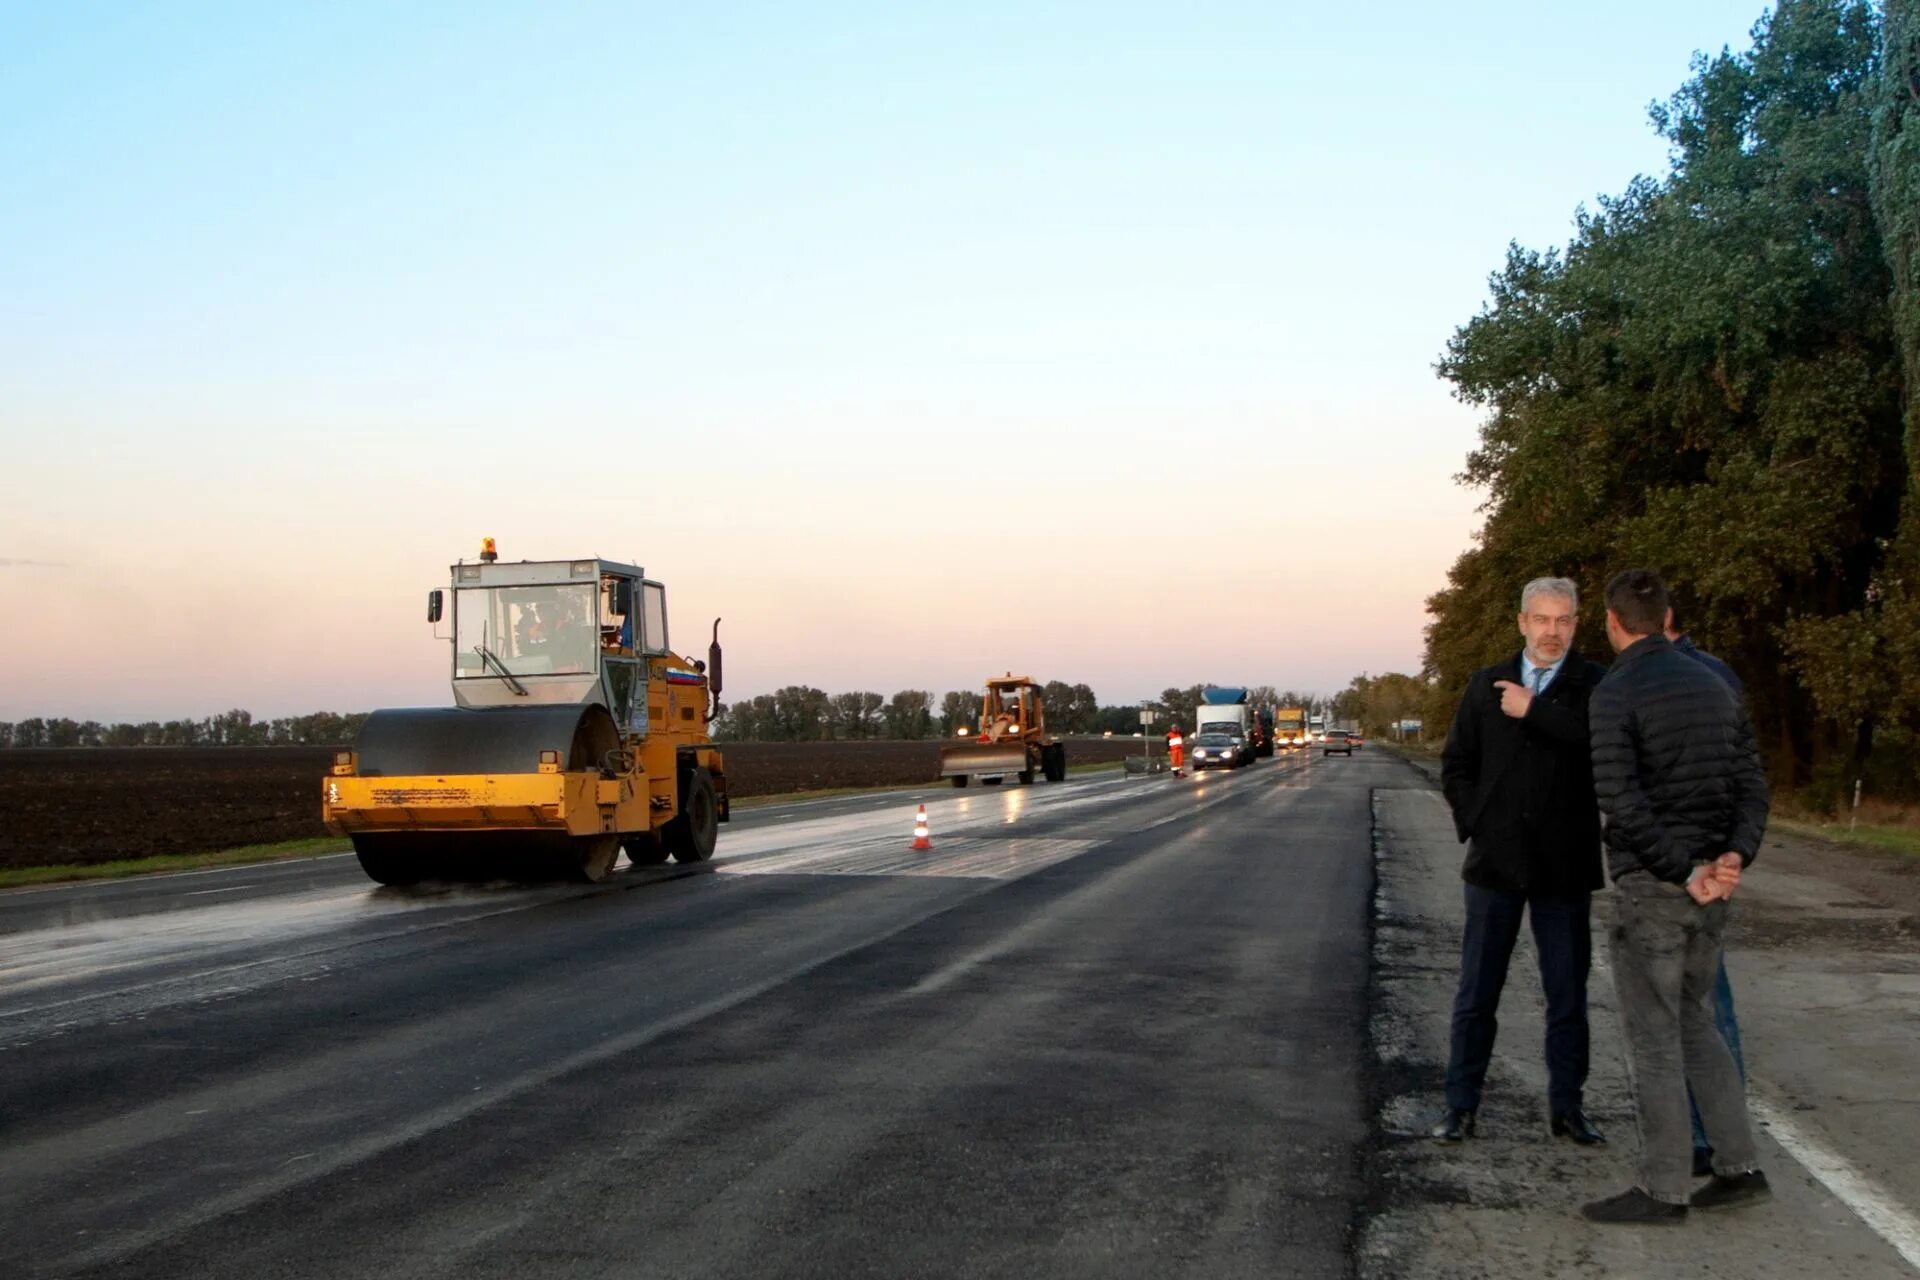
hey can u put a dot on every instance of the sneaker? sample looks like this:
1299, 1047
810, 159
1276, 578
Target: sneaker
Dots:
1634, 1206
1726, 1192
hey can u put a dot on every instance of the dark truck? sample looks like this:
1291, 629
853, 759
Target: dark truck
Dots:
1261, 734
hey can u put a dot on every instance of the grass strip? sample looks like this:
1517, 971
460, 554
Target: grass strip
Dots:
1900, 840
16, 877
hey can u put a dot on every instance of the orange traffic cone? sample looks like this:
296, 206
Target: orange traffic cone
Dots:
920, 840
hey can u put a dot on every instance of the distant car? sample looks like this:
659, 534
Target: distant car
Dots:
1218, 751
1336, 740
1357, 740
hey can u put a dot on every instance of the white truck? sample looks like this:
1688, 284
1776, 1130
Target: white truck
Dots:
1225, 711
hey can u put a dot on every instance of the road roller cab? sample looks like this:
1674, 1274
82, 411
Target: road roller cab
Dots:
576, 731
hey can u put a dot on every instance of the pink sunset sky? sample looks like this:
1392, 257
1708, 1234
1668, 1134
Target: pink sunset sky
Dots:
1095, 343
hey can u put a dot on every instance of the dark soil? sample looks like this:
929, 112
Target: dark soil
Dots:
88, 805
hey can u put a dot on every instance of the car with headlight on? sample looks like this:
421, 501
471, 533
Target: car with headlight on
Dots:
1336, 740
1218, 751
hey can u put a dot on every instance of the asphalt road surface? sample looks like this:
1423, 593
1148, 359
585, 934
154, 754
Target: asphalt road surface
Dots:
1110, 1027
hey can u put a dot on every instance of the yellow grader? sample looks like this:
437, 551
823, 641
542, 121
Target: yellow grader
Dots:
1012, 740
576, 731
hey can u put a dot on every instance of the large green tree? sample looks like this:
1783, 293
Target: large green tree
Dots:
1863, 667
1705, 381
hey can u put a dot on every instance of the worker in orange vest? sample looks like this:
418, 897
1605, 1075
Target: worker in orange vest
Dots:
1177, 749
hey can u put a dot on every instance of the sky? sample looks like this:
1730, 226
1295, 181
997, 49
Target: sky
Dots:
1093, 341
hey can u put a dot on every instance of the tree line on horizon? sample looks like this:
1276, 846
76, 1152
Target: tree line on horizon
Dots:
796, 713
801, 713
1718, 378
235, 728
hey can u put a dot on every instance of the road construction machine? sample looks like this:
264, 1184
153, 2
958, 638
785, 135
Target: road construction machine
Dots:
1012, 738
576, 731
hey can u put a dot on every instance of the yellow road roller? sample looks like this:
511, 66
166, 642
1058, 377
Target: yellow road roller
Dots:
576, 731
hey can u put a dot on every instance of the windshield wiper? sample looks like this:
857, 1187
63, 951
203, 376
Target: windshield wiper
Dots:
487, 656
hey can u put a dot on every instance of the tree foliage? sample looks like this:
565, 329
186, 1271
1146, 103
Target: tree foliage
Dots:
1378, 703
1705, 381
1863, 666
909, 715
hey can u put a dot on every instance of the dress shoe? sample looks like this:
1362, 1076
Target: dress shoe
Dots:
1703, 1162
1455, 1126
1732, 1191
1575, 1125
1634, 1207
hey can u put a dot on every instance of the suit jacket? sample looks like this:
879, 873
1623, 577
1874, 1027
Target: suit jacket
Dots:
1522, 790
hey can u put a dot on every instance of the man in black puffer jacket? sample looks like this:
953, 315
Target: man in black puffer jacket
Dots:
1678, 778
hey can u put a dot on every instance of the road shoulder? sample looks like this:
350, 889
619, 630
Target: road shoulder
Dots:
1507, 1203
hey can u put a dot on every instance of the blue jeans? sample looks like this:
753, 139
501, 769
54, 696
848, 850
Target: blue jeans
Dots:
1730, 1032
1562, 935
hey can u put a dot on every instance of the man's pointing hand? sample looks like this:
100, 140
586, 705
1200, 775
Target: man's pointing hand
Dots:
1514, 699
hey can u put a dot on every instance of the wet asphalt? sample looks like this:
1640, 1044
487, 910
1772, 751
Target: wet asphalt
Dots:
1112, 1027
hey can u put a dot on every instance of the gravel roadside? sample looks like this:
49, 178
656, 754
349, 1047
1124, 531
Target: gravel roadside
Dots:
1827, 979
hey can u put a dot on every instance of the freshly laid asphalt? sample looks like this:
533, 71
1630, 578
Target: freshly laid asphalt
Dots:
1113, 1027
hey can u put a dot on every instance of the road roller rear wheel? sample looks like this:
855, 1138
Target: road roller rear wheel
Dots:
385, 863
690, 837
644, 848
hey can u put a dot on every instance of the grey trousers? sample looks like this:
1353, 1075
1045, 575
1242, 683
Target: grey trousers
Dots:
1666, 951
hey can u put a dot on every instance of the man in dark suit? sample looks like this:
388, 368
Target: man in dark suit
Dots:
1517, 774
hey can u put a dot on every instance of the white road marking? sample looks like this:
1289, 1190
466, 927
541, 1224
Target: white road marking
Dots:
201, 893
1888, 1220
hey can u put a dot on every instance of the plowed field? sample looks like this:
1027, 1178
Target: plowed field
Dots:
99, 805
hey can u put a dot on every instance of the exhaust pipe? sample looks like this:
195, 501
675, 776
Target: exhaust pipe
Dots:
713, 674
